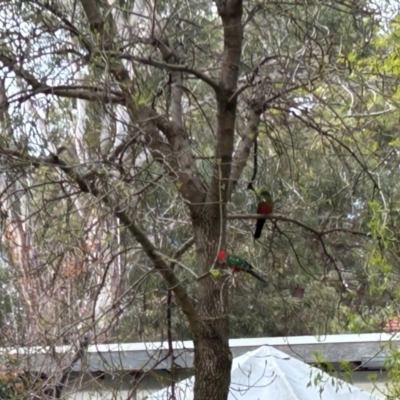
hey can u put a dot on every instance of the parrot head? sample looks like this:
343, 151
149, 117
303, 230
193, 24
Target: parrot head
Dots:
221, 256
265, 194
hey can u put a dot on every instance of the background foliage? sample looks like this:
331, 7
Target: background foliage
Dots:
328, 151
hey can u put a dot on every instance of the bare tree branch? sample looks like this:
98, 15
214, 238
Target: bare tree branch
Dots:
183, 249
174, 102
82, 92
179, 155
174, 67
89, 187
276, 217
254, 115
93, 14
231, 12
78, 356
176, 156
242, 153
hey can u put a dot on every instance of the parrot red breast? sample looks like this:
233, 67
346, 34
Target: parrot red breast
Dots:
238, 264
265, 206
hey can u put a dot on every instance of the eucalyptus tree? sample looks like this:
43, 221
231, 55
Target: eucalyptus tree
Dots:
126, 132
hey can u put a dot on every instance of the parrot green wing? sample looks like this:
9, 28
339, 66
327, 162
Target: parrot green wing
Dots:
235, 261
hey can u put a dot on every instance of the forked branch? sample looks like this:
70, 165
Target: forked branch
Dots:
89, 186
178, 157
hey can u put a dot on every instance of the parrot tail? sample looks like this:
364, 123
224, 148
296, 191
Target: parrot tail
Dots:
259, 227
252, 273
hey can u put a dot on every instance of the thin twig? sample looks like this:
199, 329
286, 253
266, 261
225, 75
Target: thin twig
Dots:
174, 261
174, 67
78, 355
275, 217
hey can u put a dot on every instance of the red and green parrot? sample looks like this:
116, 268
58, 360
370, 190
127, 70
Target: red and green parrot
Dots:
238, 264
265, 206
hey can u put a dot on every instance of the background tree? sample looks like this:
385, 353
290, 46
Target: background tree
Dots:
126, 135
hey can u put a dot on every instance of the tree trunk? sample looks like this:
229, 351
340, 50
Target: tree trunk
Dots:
213, 358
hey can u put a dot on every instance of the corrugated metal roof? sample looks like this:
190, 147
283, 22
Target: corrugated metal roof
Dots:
154, 355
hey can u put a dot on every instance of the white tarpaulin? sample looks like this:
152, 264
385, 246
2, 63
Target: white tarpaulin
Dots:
269, 374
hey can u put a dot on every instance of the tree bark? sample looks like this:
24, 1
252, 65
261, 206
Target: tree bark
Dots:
213, 358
